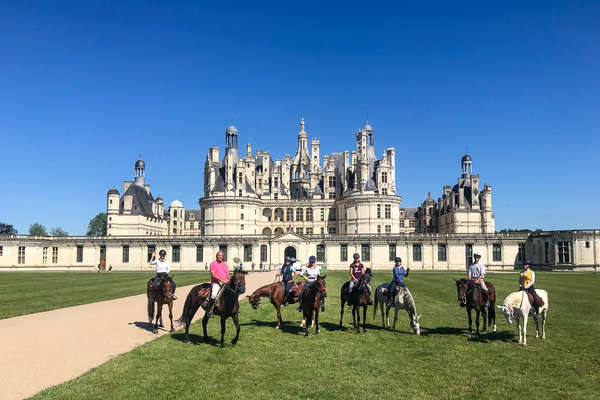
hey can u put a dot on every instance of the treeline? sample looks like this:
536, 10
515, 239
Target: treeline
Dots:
96, 227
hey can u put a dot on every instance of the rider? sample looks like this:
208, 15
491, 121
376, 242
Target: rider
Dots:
398, 280
310, 275
288, 274
357, 270
219, 276
476, 275
163, 266
527, 281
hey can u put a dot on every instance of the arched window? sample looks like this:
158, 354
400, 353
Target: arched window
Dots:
289, 214
175, 213
299, 214
309, 214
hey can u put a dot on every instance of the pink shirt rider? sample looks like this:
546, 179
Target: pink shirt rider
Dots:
220, 269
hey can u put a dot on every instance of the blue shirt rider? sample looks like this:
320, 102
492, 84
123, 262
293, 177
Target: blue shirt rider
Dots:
288, 274
398, 279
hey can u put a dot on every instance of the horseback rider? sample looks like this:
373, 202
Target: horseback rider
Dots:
476, 275
357, 270
310, 275
398, 280
288, 274
163, 266
219, 276
526, 283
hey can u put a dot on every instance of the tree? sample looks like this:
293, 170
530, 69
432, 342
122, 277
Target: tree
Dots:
37, 229
97, 226
58, 231
6, 229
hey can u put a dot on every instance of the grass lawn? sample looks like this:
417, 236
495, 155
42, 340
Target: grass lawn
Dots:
30, 292
340, 364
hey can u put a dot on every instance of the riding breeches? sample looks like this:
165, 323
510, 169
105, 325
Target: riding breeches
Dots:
531, 290
352, 284
214, 290
286, 286
483, 286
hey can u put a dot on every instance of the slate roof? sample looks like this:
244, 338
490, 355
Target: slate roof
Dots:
192, 213
409, 212
249, 188
142, 200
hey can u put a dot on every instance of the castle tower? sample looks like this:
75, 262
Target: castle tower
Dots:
140, 172
112, 201
466, 166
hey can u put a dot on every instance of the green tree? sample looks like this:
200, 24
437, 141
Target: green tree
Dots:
37, 229
58, 231
97, 226
6, 229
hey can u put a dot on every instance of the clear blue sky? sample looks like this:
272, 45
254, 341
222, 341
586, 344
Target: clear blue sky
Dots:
85, 87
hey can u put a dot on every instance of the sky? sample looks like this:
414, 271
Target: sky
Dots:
86, 87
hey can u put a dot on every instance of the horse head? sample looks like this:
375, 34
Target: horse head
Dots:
254, 301
238, 281
461, 289
415, 323
322, 286
508, 312
167, 288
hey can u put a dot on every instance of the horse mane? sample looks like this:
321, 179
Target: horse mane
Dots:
514, 299
411, 308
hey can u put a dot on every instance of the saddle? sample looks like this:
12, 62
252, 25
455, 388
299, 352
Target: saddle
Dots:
538, 299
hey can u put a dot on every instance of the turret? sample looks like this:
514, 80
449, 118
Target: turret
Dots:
140, 172
112, 201
466, 166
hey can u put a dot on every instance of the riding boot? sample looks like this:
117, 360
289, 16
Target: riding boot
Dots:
211, 306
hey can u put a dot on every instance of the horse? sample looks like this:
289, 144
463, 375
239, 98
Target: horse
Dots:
359, 297
311, 302
162, 295
274, 292
516, 306
402, 300
227, 306
471, 296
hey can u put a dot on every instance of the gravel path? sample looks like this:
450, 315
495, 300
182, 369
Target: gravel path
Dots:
44, 349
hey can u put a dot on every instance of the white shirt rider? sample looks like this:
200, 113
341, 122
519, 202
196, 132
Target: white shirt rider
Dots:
161, 266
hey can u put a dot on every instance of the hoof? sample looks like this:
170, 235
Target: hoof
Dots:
186, 340
222, 345
277, 327
154, 330
161, 325
234, 341
172, 329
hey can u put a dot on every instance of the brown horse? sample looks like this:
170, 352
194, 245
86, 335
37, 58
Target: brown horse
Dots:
227, 306
274, 292
162, 295
314, 292
470, 295
359, 297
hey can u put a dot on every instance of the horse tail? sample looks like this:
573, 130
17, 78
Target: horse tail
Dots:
187, 315
150, 309
376, 302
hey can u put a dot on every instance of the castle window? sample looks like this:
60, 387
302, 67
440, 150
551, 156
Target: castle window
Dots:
388, 229
564, 252
546, 254
309, 214
275, 196
497, 252
240, 178
276, 182
241, 227
401, 223
79, 253
176, 253
322, 214
242, 216
151, 249
416, 252
263, 253
388, 211
411, 223
365, 252
322, 230
199, 252
125, 257
343, 252
240, 193
300, 230
521, 253
289, 214
384, 180
299, 214
44, 255
54, 255
442, 252
332, 214
223, 249
175, 213
321, 252
309, 231
392, 252
378, 210
247, 252
331, 181
384, 191
587, 246
21, 255
331, 195
1, 251
332, 230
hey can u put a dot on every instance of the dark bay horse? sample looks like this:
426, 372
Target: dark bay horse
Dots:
359, 297
471, 296
274, 292
162, 295
311, 302
227, 306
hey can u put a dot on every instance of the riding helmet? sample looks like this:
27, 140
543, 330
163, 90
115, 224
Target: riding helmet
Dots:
476, 255
398, 259
356, 256
312, 259
162, 253
288, 258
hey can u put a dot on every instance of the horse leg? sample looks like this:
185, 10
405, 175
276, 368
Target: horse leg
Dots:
364, 318
236, 321
312, 319
307, 317
171, 315
150, 311
357, 308
354, 317
525, 318
204, 322
537, 326
543, 324
279, 321
158, 313
342, 312
477, 321
484, 317
395, 318
317, 322
223, 319
470, 322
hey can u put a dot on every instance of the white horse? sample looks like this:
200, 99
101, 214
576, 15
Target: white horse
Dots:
402, 300
516, 306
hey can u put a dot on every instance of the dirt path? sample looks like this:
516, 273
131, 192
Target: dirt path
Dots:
44, 349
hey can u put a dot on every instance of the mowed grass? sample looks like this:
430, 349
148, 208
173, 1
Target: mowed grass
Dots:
30, 292
379, 364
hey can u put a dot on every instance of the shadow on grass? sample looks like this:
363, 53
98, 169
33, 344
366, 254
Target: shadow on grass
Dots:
199, 340
146, 326
348, 327
286, 326
483, 337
